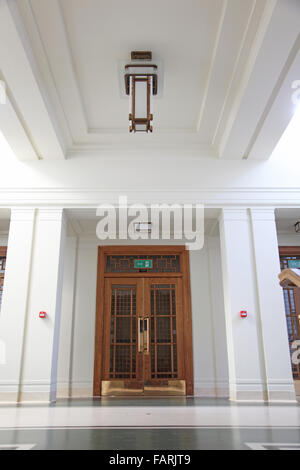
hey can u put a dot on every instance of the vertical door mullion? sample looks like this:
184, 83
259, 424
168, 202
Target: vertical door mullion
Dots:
115, 332
171, 328
155, 329
146, 311
131, 339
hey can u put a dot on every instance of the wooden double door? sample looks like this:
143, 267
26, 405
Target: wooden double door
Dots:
143, 344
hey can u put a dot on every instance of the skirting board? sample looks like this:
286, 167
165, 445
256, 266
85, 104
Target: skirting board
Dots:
41, 393
85, 390
75, 390
209, 389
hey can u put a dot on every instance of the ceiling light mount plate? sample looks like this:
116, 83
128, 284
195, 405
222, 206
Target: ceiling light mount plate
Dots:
141, 55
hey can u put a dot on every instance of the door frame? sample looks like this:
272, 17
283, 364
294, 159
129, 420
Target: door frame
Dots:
289, 250
3, 254
292, 251
184, 274
3, 251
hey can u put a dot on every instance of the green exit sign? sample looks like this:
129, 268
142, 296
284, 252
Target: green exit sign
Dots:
294, 263
143, 263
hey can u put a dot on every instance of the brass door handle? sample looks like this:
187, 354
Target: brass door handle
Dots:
143, 335
140, 335
146, 335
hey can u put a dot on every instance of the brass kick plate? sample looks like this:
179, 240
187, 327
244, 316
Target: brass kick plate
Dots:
171, 388
110, 388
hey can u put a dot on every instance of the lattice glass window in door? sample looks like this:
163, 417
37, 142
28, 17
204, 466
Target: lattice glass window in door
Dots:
123, 332
163, 331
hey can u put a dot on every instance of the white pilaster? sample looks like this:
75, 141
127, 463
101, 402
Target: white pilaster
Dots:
66, 342
15, 301
280, 385
246, 369
217, 316
40, 357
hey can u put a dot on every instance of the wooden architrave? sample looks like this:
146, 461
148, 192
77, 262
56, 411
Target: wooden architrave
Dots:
3, 251
100, 300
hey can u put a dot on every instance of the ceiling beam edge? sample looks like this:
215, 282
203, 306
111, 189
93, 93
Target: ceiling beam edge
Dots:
21, 73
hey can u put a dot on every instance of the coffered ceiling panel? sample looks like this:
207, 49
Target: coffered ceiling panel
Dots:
180, 34
91, 38
216, 57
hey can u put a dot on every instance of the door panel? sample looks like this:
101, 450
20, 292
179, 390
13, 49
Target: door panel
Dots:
143, 337
164, 309
122, 362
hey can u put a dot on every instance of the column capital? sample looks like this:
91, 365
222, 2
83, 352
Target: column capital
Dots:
263, 214
234, 214
51, 215
22, 214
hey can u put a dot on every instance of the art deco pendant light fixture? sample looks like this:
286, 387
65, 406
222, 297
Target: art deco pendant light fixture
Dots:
141, 85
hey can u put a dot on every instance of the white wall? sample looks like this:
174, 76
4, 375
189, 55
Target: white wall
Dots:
182, 173
153, 171
209, 335
288, 239
218, 317
64, 372
76, 354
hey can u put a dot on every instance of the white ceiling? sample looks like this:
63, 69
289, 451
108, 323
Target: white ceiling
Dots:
102, 33
83, 222
286, 220
227, 68
4, 221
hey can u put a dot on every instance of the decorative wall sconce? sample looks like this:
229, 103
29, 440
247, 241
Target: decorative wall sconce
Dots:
141, 85
297, 227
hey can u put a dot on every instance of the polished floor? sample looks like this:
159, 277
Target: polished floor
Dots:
160, 424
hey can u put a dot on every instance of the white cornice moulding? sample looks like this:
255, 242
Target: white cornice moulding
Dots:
92, 198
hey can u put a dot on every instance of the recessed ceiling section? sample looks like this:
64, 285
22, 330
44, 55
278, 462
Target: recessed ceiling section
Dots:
215, 56
286, 220
84, 222
99, 34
